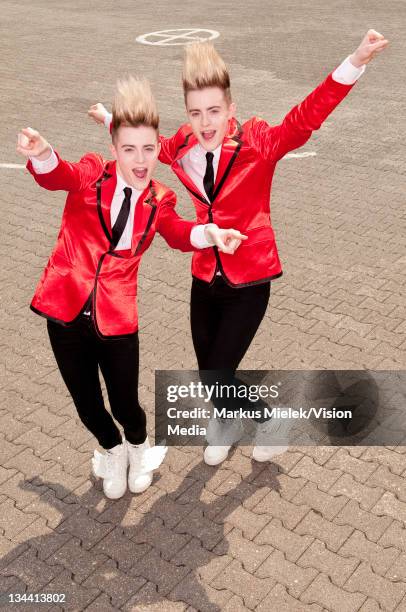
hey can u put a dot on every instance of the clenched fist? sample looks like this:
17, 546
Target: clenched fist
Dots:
97, 112
371, 45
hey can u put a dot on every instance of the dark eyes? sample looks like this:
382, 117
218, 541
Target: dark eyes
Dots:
213, 111
146, 149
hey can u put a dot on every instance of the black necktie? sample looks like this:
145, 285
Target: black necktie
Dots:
208, 180
122, 218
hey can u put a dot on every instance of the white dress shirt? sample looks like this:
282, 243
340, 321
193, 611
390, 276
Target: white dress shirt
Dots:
116, 203
194, 163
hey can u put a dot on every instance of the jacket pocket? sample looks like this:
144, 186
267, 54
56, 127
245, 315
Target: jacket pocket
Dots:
128, 289
256, 235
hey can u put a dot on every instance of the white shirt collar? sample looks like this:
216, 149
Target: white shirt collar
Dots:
197, 153
121, 184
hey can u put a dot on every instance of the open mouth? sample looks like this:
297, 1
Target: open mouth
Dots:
140, 173
208, 134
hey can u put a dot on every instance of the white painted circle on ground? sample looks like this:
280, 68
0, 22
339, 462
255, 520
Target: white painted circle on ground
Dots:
182, 36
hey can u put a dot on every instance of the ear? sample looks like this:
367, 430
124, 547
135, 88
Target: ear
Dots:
159, 147
232, 110
113, 151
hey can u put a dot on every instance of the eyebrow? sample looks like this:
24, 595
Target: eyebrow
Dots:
192, 110
133, 146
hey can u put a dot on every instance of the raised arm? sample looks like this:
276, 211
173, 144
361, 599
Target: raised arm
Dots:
273, 142
52, 172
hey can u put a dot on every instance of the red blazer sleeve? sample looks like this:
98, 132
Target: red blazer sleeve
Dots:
273, 142
175, 230
168, 149
69, 176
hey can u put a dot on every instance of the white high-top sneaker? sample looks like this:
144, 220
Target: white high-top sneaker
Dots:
218, 431
143, 461
265, 431
112, 467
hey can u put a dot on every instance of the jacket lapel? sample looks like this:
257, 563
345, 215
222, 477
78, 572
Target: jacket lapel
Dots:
144, 213
189, 142
105, 188
145, 210
230, 148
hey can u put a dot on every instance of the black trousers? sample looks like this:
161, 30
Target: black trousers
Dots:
224, 321
79, 353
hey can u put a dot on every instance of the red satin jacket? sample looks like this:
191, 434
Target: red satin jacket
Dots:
243, 184
83, 262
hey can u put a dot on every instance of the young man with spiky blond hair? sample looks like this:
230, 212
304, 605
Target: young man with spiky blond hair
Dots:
88, 289
228, 169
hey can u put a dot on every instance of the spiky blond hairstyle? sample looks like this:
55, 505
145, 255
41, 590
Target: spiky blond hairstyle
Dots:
134, 105
203, 67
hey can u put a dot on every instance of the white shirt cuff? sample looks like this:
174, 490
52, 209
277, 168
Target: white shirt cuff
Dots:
198, 239
107, 120
346, 73
46, 165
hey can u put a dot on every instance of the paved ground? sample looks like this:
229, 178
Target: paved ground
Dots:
319, 529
